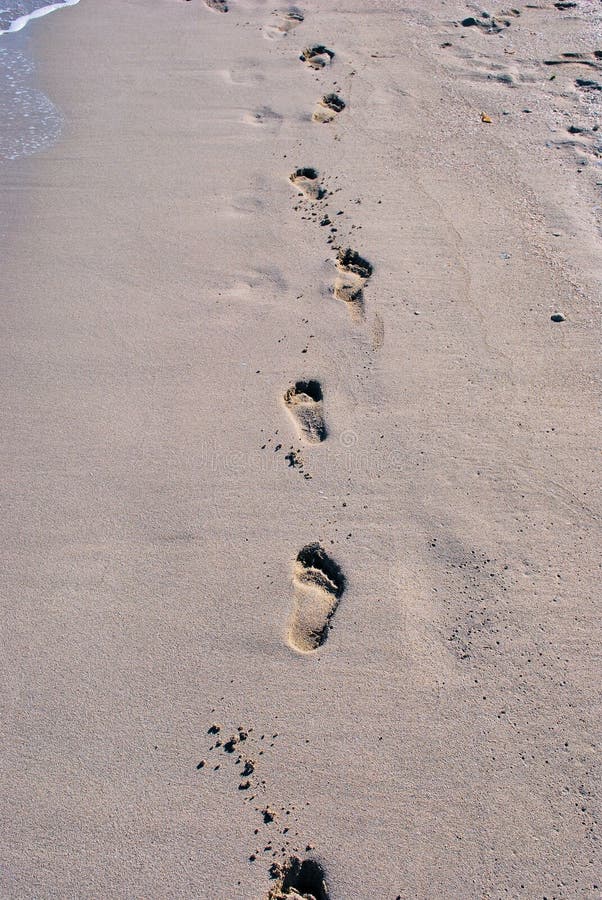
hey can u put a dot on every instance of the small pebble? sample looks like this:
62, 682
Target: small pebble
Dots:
557, 317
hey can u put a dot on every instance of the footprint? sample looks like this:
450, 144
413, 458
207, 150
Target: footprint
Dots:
306, 180
289, 20
319, 585
245, 284
327, 108
487, 24
354, 272
304, 402
242, 76
298, 879
317, 57
217, 5
263, 116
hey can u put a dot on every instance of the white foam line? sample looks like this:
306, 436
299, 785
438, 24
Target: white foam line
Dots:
22, 21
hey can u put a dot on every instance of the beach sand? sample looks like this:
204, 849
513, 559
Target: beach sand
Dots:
344, 511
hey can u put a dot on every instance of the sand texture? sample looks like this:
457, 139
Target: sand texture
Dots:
300, 333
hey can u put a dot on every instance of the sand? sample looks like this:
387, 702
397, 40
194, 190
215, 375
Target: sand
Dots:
190, 694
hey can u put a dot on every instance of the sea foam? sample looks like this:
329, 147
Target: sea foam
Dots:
16, 13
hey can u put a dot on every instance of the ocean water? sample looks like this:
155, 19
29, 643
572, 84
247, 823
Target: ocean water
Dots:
29, 120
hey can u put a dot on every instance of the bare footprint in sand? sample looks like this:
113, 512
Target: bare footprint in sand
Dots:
306, 181
487, 24
298, 879
264, 118
217, 5
328, 108
317, 57
304, 402
319, 586
354, 272
288, 21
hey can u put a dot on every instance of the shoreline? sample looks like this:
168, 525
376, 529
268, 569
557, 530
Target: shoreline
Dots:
200, 388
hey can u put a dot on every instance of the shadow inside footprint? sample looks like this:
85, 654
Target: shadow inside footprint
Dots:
304, 402
320, 584
306, 180
327, 108
317, 57
299, 878
350, 261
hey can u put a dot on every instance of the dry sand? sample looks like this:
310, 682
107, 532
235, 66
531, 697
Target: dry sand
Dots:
165, 285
